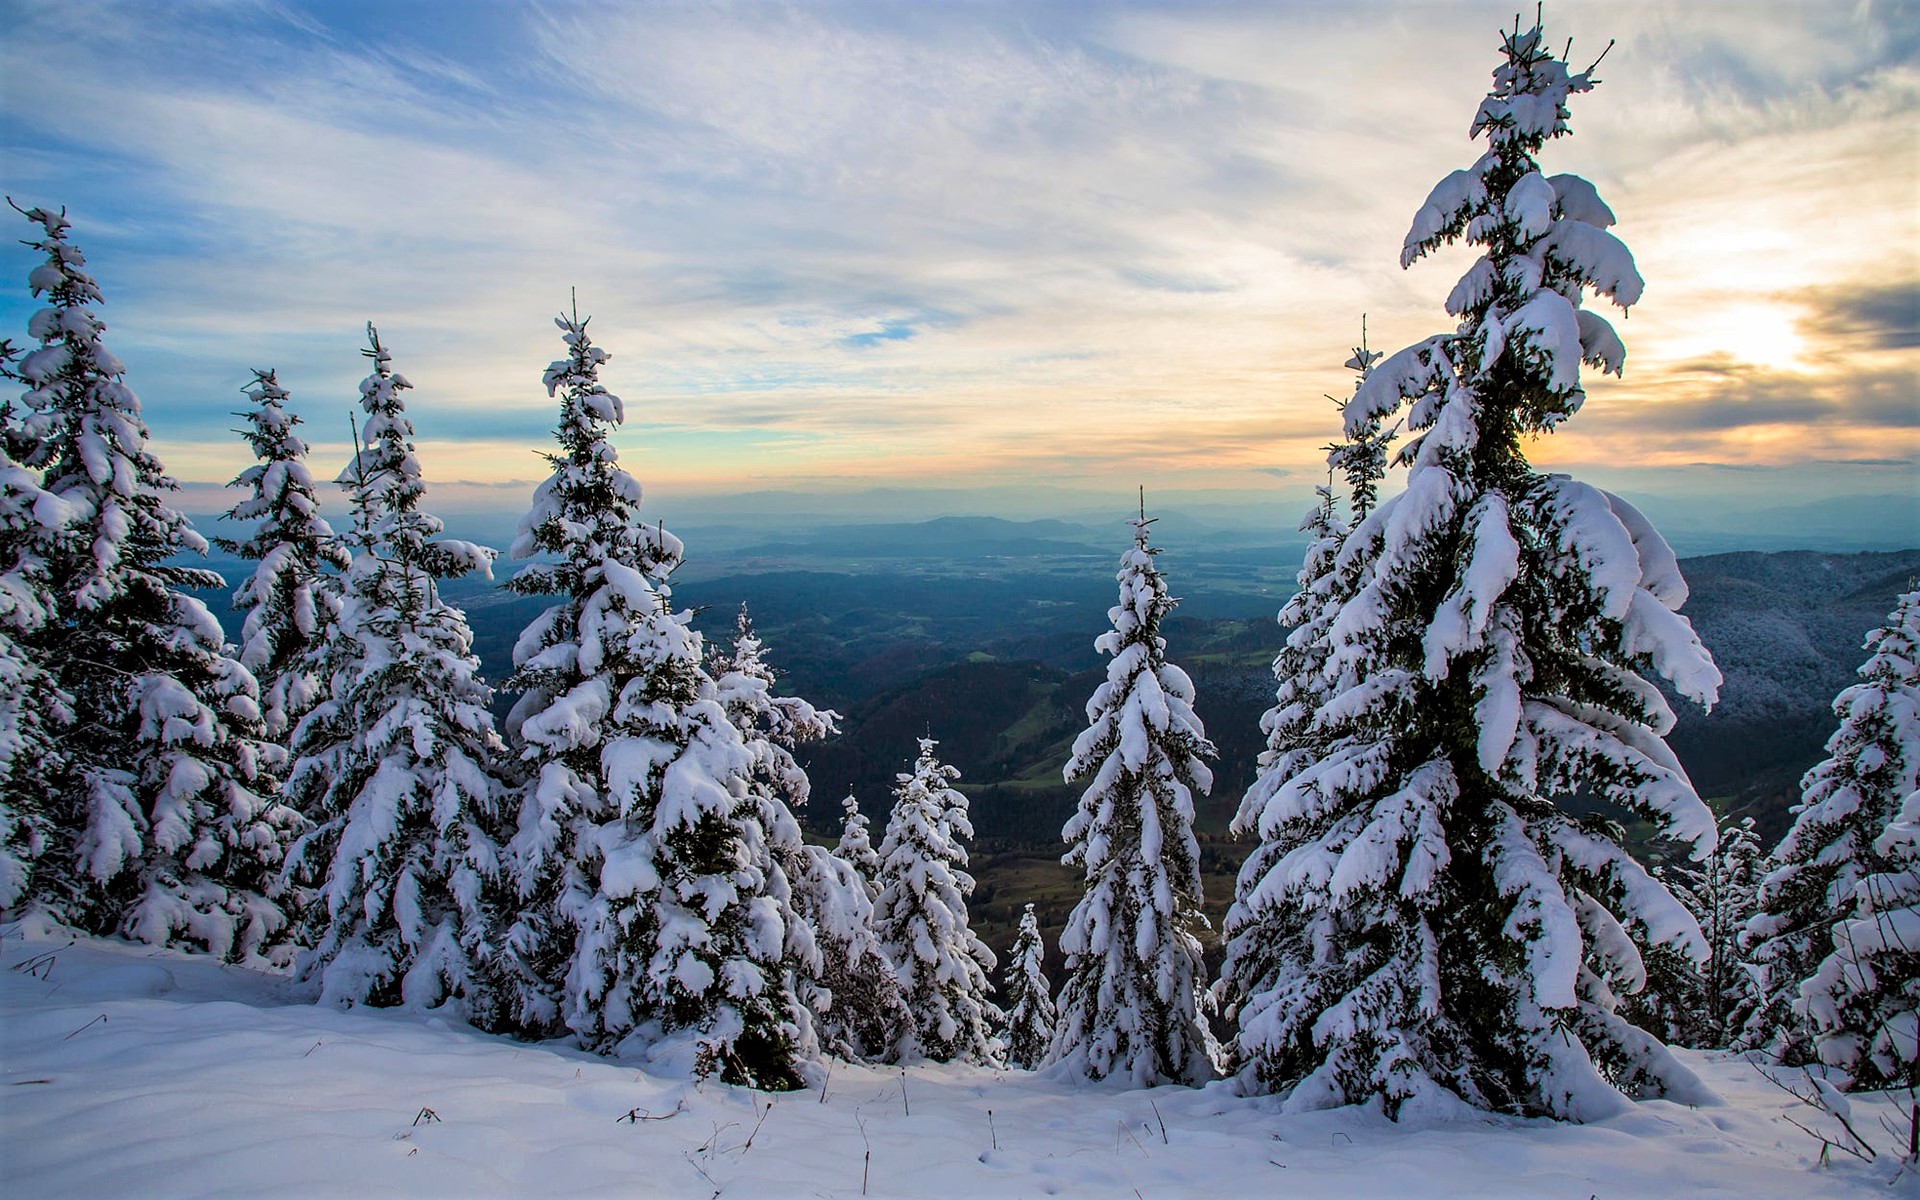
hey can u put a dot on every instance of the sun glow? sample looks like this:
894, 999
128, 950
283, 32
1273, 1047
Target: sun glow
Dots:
1764, 335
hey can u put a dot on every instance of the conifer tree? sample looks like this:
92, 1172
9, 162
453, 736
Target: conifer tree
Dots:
1130, 1005
396, 767
856, 846
1864, 999
648, 857
1701, 1003
860, 1012
1255, 928
1030, 1011
169, 828
1461, 937
840, 966
921, 916
33, 709
1816, 935
287, 600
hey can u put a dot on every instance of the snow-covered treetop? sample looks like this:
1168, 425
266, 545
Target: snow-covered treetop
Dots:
856, 843
743, 684
588, 510
386, 485
84, 426
772, 725
1545, 241
1145, 699
282, 487
1362, 457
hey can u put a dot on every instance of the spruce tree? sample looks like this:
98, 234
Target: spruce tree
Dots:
287, 600
1461, 936
653, 899
1864, 999
1700, 1004
1821, 932
855, 847
840, 968
168, 826
921, 916
1030, 1011
33, 709
396, 767
860, 1012
1130, 1005
1256, 926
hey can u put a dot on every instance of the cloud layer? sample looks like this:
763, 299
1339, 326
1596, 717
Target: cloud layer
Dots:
965, 245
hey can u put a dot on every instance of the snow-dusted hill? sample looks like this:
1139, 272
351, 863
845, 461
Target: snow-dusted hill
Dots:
128, 1072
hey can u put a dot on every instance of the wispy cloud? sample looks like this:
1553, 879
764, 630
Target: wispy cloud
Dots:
891, 242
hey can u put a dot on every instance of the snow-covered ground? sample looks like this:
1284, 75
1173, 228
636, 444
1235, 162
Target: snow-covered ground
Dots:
126, 1071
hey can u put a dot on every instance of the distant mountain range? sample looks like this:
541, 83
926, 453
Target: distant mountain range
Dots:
978, 631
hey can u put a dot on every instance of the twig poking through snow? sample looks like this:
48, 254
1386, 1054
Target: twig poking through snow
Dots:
425, 1114
634, 1116
99, 1020
756, 1127
866, 1164
991, 1131
1163, 1124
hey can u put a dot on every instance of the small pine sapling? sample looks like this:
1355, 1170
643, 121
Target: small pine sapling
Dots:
1029, 997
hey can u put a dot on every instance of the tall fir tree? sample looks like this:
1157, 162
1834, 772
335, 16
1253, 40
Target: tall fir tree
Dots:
288, 601
653, 899
1461, 937
397, 766
1131, 1003
855, 847
1030, 1012
33, 709
1832, 895
921, 916
169, 827
1257, 929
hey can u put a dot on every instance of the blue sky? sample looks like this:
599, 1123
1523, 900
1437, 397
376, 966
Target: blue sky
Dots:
973, 247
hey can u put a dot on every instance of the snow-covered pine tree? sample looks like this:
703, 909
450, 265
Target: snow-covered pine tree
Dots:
33, 709
856, 845
1812, 906
653, 901
287, 600
397, 767
853, 990
1864, 999
1467, 934
169, 826
840, 966
1131, 1003
1699, 1003
921, 916
1255, 929
772, 725
1030, 1011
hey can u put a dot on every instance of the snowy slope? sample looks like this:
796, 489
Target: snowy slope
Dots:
130, 1072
